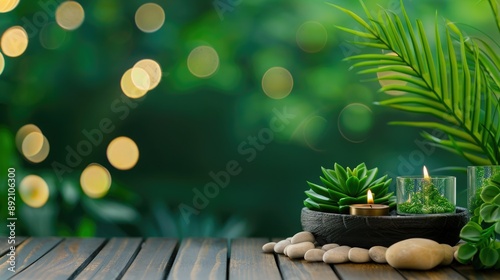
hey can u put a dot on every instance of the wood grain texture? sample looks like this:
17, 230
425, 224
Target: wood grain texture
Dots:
438, 273
27, 253
5, 246
153, 260
367, 271
249, 262
468, 272
112, 261
301, 269
200, 258
64, 261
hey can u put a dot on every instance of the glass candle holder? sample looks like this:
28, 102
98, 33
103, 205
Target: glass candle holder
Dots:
418, 195
477, 178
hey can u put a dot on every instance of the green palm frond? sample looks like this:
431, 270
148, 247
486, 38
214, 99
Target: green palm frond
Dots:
457, 80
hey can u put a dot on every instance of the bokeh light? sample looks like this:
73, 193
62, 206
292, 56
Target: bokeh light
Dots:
355, 121
70, 15
391, 82
52, 36
149, 17
14, 41
42, 153
277, 82
95, 180
314, 128
2, 63
311, 36
123, 153
34, 191
140, 78
128, 86
153, 69
23, 132
8, 5
32, 144
203, 61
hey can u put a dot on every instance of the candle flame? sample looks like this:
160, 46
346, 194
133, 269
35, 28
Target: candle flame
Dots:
426, 174
369, 197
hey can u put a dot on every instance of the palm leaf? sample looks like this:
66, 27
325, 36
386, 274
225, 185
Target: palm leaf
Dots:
456, 81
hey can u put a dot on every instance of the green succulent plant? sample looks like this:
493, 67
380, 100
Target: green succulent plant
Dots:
343, 187
481, 233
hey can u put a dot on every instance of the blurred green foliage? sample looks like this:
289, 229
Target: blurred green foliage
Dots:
188, 127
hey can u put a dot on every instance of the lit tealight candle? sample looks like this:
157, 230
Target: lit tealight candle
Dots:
369, 209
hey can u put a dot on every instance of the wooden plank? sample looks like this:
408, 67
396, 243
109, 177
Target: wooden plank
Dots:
200, 259
470, 273
249, 262
5, 245
366, 271
27, 253
433, 274
301, 269
64, 261
112, 260
153, 260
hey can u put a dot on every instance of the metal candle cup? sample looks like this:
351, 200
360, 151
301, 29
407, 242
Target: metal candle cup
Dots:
369, 210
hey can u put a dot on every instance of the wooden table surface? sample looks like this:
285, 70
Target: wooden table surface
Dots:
193, 258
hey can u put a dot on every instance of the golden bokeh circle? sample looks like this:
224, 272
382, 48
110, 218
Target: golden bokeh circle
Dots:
140, 78
8, 5
14, 41
203, 61
24, 131
149, 17
123, 153
153, 69
277, 82
311, 36
70, 15
32, 144
128, 86
42, 154
2, 63
95, 180
34, 191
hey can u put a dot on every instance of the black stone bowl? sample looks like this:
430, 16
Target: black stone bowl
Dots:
369, 231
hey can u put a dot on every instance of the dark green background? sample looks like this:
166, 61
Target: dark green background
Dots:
188, 127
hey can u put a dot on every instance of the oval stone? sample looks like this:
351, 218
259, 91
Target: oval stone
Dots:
377, 254
297, 251
415, 253
303, 236
337, 255
448, 254
268, 247
314, 255
359, 255
329, 246
280, 246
